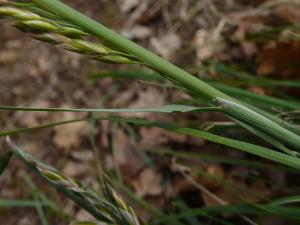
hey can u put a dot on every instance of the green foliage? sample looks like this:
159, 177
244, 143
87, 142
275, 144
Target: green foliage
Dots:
4, 160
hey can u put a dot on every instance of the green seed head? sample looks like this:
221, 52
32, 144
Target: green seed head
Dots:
85, 47
27, 16
52, 38
71, 32
54, 176
37, 25
115, 59
9, 11
19, 14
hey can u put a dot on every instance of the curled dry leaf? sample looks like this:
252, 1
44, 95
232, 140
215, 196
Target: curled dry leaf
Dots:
148, 183
250, 49
288, 13
155, 137
204, 49
127, 5
166, 45
259, 192
149, 96
214, 174
281, 58
77, 169
124, 154
31, 119
8, 56
70, 135
137, 32
152, 137
83, 215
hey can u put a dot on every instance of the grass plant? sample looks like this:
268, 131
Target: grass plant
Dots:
54, 22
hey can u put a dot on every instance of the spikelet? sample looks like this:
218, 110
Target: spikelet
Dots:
123, 210
115, 59
66, 37
71, 32
18, 14
85, 47
36, 26
52, 38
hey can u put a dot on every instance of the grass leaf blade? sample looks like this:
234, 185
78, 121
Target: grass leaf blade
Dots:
155, 109
4, 161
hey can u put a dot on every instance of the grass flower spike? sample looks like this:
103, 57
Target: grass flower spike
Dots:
19, 14
68, 37
106, 206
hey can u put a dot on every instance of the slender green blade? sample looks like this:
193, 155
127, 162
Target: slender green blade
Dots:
23, 203
155, 109
220, 159
30, 129
266, 101
274, 142
286, 200
267, 125
137, 74
288, 212
4, 161
263, 152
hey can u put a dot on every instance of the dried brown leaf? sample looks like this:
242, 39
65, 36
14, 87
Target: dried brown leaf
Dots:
148, 183
166, 45
70, 135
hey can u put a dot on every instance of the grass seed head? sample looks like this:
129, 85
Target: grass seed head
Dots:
36, 26
27, 16
71, 32
53, 176
19, 14
52, 38
67, 37
115, 59
85, 47
10, 11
